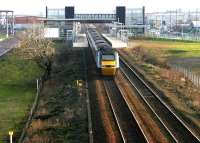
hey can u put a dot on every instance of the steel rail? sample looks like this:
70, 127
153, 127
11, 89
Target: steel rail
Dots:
195, 138
109, 91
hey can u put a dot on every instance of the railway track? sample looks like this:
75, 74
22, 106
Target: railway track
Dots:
101, 115
129, 131
128, 126
171, 122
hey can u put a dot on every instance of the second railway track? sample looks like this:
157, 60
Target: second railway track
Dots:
177, 129
128, 126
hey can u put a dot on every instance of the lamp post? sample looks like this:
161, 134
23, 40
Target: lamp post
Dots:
11, 135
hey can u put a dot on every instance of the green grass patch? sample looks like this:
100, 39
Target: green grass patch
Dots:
177, 49
180, 49
184, 51
2, 37
17, 91
163, 39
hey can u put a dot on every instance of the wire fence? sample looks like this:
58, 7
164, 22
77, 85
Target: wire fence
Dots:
40, 83
186, 37
195, 79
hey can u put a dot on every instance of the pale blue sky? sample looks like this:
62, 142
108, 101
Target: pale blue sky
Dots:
35, 7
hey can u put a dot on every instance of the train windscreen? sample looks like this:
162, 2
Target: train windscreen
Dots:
108, 57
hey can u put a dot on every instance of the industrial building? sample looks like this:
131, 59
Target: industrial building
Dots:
25, 22
6, 22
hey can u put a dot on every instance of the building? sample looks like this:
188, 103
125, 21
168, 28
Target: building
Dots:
25, 22
6, 22
171, 19
135, 21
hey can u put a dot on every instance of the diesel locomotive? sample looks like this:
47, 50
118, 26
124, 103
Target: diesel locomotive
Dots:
106, 58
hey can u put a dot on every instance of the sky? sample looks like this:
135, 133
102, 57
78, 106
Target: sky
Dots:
37, 7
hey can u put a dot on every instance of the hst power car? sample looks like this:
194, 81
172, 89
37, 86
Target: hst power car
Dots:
106, 58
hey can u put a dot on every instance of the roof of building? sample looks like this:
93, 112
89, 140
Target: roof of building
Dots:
27, 20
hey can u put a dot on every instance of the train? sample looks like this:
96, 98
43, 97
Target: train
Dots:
106, 58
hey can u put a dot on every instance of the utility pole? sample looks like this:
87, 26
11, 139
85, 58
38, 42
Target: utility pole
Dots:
13, 23
196, 24
170, 21
176, 18
182, 26
6, 24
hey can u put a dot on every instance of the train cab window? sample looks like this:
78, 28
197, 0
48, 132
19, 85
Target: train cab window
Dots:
108, 57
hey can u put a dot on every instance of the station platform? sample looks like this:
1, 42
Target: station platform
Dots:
80, 41
116, 43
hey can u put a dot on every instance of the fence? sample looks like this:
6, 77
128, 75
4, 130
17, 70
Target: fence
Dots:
186, 37
40, 83
195, 79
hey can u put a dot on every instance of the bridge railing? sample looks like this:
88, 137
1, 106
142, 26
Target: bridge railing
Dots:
95, 16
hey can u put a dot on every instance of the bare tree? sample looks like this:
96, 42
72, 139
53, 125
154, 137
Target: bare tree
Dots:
34, 46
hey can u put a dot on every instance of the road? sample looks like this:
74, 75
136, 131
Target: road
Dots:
7, 45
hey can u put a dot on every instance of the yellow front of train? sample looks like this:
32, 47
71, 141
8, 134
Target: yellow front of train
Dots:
108, 68
109, 64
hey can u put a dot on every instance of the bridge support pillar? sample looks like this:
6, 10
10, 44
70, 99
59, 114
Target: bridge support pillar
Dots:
121, 14
69, 12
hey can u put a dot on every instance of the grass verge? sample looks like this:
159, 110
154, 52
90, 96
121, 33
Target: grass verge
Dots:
17, 91
168, 48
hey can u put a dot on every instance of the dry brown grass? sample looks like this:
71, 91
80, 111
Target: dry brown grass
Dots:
61, 112
147, 44
180, 91
141, 54
184, 85
152, 52
39, 125
106, 114
39, 139
148, 124
42, 111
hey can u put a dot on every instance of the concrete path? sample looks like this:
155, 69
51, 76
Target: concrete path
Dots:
81, 41
116, 43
